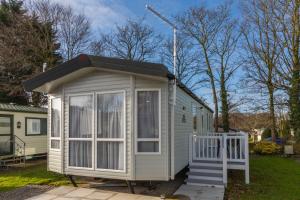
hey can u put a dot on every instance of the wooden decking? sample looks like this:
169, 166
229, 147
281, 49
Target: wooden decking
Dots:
213, 154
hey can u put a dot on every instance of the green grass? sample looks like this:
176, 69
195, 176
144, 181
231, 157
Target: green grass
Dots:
33, 175
271, 178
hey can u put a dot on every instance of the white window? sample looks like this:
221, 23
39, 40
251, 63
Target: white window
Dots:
36, 126
80, 139
194, 113
110, 144
55, 123
148, 121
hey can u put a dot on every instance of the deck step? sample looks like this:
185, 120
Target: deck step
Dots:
208, 164
204, 182
204, 174
208, 161
207, 171
205, 167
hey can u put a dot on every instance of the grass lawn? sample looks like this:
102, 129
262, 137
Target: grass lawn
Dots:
271, 177
37, 175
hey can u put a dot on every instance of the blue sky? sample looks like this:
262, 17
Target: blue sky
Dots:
105, 14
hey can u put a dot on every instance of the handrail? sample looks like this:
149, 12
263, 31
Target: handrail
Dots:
20, 139
229, 148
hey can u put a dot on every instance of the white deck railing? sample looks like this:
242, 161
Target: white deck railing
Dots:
229, 148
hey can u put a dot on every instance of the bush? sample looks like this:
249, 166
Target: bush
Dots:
296, 148
266, 147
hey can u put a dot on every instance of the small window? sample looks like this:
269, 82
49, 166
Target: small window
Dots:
36, 126
148, 121
194, 112
55, 123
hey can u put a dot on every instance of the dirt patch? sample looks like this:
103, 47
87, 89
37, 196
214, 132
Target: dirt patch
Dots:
25, 192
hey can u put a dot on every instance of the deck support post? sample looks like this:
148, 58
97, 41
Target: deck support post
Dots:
247, 175
224, 158
130, 187
72, 181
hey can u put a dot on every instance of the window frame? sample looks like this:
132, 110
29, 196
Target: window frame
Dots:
96, 139
136, 123
194, 105
92, 139
61, 124
40, 118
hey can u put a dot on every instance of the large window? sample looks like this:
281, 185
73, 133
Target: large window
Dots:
194, 113
36, 126
80, 131
148, 121
55, 123
111, 131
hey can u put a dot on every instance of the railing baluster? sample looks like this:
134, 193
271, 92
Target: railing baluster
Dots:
240, 146
230, 148
235, 148
199, 146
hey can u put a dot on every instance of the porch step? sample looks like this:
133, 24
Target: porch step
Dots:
208, 164
203, 182
208, 161
205, 174
210, 167
206, 171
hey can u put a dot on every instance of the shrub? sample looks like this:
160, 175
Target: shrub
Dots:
266, 147
296, 148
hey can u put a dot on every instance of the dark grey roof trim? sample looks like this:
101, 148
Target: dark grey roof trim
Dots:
188, 91
22, 108
84, 61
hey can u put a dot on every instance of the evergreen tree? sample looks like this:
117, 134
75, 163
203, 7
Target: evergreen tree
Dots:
25, 44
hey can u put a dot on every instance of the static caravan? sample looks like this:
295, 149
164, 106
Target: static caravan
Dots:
118, 119
23, 130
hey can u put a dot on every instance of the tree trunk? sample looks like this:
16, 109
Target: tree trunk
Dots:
295, 102
294, 92
224, 102
272, 113
213, 88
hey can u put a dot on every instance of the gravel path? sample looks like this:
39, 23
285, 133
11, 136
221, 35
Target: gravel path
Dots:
25, 192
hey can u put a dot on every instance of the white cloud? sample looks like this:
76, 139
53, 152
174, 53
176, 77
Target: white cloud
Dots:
103, 14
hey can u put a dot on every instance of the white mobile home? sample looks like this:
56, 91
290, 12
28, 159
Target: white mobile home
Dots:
23, 130
115, 118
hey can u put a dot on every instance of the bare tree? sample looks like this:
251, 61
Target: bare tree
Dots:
203, 25
97, 48
74, 33
227, 63
187, 61
133, 41
287, 18
261, 45
72, 29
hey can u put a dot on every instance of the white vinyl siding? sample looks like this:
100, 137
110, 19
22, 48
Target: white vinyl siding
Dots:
182, 129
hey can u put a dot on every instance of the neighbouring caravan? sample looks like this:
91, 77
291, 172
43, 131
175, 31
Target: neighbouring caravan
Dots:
118, 119
23, 130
